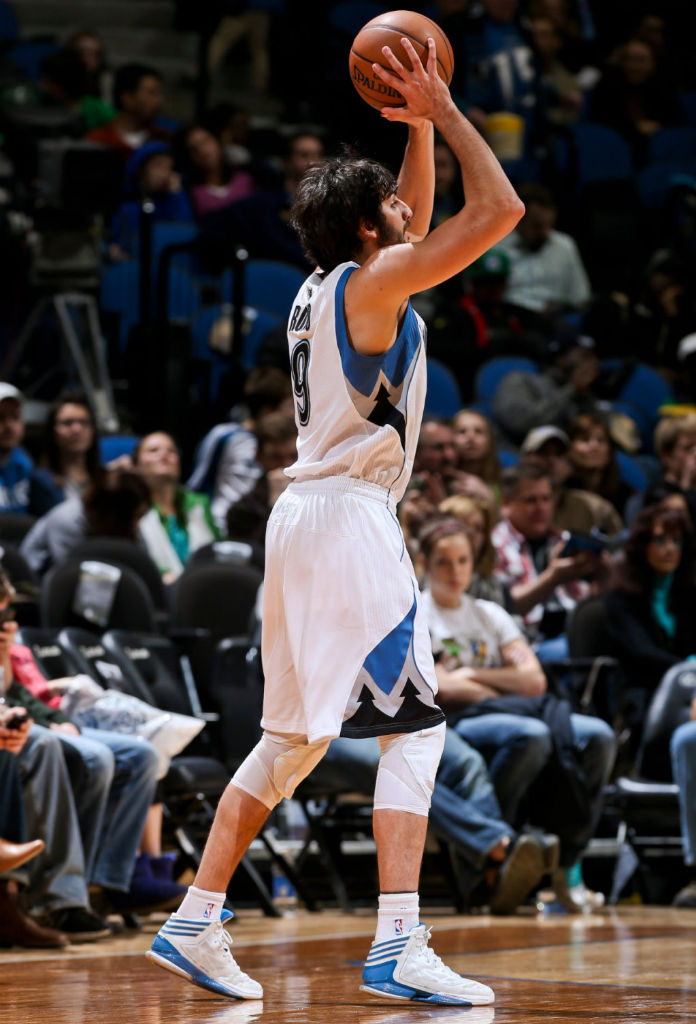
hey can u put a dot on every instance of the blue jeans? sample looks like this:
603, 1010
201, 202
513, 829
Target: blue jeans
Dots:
112, 798
56, 878
683, 752
516, 748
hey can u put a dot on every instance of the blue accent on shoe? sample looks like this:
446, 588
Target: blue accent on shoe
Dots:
394, 990
165, 950
379, 973
226, 915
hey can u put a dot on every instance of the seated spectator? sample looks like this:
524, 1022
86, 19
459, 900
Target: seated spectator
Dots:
650, 618
179, 520
479, 517
635, 96
435, 465
572, 382
146, 887
447, 184
545, 583
21, 488
413, 511
65, 83
476, 448
470, 321
150, 174
109, 507
89, 47
574, 508
69, 460
225, 466
17, 928
562, 92
102, 816
594, 465
675, 447
501, 70
261, 222
492, 688
213, 183
662, 313
230, 124
547, 276
138, 99
496, 866
276, 450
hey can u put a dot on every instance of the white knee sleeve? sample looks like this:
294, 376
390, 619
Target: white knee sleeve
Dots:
277, 765
407, 768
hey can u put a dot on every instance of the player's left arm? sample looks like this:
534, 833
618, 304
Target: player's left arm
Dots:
416, 182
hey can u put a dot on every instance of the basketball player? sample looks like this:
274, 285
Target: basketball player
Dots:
345, 646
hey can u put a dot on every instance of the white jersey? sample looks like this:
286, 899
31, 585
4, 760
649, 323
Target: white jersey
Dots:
357, 415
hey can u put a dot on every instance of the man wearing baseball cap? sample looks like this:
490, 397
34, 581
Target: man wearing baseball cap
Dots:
20, 489
574, 509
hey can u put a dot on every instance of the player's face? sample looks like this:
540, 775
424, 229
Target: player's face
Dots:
396, 217
449, 569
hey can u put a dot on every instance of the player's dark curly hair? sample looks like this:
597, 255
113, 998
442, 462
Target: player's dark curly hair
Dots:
331, 199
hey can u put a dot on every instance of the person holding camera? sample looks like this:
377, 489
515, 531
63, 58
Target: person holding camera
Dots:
546, 576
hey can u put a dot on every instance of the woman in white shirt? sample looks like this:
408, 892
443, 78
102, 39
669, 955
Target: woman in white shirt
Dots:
481, 655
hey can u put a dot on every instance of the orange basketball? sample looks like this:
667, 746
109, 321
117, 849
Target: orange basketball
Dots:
388, 30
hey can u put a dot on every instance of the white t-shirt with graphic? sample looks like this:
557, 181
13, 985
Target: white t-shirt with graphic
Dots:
472, 635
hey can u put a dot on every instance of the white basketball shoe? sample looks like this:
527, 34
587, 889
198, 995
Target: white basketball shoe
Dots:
406, 968
200, 951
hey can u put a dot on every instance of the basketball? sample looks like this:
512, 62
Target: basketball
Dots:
388, 30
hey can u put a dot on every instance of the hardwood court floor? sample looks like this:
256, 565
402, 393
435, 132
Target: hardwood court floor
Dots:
628, 965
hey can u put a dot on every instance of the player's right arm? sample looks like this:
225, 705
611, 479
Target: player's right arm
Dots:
492, 206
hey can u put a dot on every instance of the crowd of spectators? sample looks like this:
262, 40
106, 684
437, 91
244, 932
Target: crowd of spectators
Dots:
557, 486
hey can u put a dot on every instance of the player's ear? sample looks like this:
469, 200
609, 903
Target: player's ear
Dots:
366, 231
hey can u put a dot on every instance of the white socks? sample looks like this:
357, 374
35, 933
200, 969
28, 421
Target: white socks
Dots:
397, 913
199, 903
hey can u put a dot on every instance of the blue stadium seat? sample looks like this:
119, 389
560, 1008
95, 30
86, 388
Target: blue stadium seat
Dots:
674, 142
507, 458
118, 294
656, 180
258, 324
442, 397
269, 285
348, 18
8, 22
645, 390
688, 105
600, 154
113, 445
631, 472
28, 54
491, 373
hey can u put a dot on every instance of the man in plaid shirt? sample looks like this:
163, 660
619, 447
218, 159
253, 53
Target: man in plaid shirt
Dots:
544, 584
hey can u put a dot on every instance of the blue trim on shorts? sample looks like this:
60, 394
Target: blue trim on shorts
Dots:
385, 662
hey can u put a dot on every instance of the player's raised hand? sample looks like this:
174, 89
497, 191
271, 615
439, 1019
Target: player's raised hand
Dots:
425, 93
